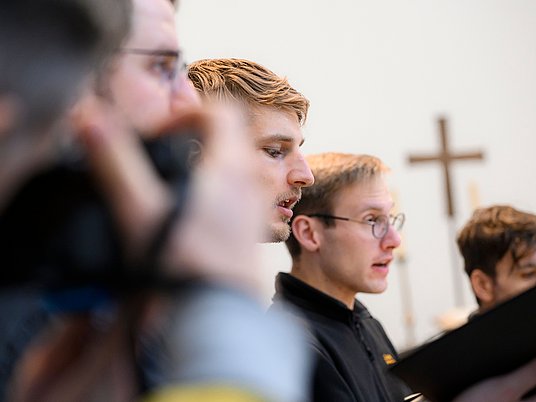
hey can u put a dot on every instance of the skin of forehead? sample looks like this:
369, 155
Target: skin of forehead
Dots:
259, 116
374, 195
153, 25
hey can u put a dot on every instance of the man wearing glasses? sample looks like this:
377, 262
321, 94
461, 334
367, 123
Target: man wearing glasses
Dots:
342, 243
146, 81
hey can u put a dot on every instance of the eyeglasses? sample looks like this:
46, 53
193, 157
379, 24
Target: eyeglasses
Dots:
168, 63
380, 225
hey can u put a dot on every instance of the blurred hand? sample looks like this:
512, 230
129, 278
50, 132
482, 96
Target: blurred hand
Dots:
216, 235
507, 388
224, 215
139, 199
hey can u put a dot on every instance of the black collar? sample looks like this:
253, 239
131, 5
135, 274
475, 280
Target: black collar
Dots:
303, 295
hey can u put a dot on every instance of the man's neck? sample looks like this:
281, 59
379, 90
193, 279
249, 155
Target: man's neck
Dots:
314, 277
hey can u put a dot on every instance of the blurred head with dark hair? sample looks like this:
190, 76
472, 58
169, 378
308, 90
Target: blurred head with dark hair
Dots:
498, 245
48, 47
47, 50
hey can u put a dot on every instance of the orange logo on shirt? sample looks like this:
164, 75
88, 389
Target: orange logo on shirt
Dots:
389, 359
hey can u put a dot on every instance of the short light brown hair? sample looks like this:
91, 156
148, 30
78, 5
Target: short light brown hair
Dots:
491, 233
248, 82
333, 172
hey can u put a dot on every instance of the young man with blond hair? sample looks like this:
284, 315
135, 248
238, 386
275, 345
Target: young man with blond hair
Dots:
241, 351
342, 243
273, 112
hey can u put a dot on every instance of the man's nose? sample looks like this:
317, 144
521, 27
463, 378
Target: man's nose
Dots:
300, 174
183, 94
392, 238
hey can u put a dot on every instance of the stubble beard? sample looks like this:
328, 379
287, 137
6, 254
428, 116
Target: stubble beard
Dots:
277, 233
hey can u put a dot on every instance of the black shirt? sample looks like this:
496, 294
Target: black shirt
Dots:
351, 348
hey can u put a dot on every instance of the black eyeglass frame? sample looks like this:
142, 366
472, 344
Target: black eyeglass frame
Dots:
153, 52
397, 221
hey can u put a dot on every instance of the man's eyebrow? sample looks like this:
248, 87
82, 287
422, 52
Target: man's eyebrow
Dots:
374, 207
280, 138
152, 52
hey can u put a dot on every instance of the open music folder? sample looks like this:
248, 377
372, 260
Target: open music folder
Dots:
490, 344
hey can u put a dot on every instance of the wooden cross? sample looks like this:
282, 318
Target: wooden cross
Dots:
445, 157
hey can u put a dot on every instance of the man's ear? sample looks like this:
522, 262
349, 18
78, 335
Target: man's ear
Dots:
304, 229
483, 286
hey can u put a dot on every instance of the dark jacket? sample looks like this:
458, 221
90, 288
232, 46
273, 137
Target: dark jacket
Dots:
352, 350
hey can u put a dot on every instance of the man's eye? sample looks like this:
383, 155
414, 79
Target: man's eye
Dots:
371, 218
273, 152
166, 68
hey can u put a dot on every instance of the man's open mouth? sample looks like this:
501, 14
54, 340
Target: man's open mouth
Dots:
288, 203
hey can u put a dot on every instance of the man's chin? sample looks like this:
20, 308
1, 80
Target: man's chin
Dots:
277, 233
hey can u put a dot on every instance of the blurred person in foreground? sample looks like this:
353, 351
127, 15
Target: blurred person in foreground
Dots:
95, 349
223, 202
48, 50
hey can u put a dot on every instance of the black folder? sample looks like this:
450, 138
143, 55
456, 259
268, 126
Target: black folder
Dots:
490, 344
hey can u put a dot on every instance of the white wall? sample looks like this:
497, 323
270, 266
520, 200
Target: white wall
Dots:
378, 74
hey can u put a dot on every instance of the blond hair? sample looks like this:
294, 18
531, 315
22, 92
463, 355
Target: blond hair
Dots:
248, 82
